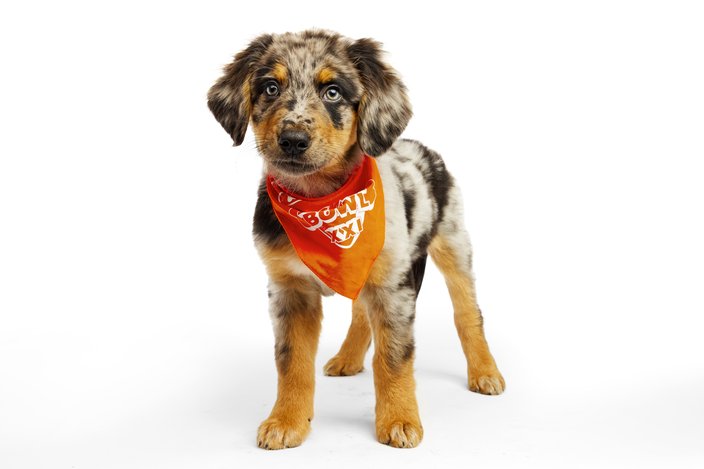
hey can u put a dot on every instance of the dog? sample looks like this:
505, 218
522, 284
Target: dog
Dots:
319, 104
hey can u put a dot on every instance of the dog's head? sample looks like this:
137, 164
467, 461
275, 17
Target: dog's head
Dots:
315, 99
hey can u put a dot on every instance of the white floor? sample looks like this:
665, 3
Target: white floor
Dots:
162, 390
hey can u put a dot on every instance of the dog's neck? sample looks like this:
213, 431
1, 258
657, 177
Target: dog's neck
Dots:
325, 181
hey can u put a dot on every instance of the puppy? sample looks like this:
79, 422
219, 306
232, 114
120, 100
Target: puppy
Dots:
321, 106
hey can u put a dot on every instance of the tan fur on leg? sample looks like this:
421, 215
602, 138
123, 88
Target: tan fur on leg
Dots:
297, 342
296, 312
397, 420
483, 375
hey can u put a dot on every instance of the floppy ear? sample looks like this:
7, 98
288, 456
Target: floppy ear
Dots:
384, 109
229, 99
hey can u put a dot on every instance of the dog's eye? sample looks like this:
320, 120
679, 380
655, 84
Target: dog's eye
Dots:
332, 94
272, 89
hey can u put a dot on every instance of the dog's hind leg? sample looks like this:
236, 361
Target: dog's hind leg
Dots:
350, 359
451, 252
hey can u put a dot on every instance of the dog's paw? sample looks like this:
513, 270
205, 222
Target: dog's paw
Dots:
343, 366
491, 383
275, 433
399, 434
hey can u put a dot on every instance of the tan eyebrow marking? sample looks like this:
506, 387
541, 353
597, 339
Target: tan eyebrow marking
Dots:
326, 75
280, 73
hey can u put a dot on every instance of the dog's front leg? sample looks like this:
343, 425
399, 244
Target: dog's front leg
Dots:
391, 313
296, 314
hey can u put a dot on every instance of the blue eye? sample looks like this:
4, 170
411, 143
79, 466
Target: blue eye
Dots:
272, 89
332, 94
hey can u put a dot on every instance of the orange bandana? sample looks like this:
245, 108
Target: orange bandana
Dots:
340, 235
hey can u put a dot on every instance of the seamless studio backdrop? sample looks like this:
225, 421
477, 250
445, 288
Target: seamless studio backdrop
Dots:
134, 329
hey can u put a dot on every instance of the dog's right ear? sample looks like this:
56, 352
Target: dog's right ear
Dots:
229, 99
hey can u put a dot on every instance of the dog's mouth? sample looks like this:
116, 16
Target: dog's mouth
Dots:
294, 166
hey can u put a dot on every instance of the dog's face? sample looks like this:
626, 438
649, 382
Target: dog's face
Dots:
315, 99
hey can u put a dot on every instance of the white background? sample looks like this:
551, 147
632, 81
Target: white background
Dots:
134, 330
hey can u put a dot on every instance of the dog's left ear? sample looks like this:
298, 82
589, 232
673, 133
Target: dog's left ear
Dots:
384, 109
230, 99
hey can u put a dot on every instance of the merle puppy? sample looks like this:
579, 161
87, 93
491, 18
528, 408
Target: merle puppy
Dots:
318, 102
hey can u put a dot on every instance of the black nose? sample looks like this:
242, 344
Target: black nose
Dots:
294, 142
